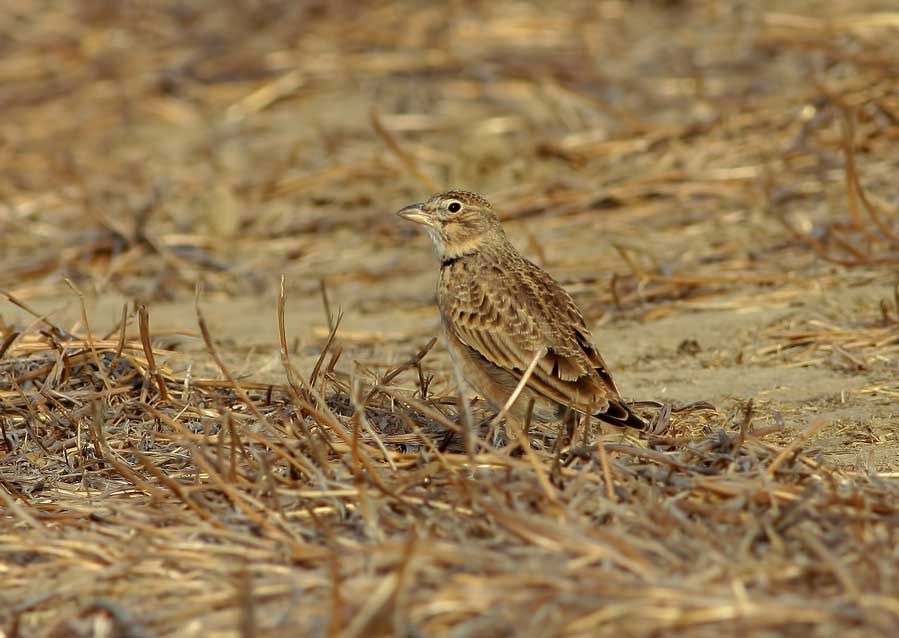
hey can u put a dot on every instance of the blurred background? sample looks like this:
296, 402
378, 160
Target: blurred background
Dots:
682, 167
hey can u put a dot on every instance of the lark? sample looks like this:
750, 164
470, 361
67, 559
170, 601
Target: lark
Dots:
504, 317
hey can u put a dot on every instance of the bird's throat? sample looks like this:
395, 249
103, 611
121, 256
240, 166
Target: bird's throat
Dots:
454, 250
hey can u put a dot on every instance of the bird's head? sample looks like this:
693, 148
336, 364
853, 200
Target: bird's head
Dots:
458, 222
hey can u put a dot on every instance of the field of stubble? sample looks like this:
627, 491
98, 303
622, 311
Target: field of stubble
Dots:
221, 410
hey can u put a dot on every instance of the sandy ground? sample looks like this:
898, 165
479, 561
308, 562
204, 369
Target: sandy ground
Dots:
725, 351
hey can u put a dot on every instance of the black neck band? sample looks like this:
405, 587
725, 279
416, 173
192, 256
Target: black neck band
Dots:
449, 261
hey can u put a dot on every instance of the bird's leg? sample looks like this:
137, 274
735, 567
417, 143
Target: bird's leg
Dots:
493, 429
524, 439
556, 470
445, 443
570, 426
588, 422
498, 435
567, 421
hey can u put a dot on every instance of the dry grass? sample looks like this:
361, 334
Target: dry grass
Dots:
220, 477
269, 510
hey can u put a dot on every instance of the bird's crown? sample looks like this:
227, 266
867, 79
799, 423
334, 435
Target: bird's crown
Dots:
466, 197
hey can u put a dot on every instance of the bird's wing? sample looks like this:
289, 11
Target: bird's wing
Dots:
508, 317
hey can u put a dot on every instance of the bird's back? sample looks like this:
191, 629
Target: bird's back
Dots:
507, 309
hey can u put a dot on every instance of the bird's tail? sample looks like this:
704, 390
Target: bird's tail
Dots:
621, 414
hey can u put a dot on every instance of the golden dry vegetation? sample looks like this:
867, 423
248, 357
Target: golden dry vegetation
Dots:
222, 413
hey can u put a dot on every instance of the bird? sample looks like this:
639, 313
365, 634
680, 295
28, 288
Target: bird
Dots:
503, 315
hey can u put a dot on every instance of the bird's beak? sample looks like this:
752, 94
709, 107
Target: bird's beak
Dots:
415, 213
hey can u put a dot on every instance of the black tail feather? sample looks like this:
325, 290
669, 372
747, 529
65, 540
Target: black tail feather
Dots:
620, 413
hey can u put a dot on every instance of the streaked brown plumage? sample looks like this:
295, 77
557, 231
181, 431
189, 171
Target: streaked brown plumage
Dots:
499, 310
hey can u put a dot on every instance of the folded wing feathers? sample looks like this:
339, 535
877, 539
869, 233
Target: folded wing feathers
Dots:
515, 321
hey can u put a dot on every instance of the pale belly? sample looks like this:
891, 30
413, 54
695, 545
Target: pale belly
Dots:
495, 385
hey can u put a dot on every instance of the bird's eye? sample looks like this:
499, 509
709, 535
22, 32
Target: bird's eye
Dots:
454, 207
